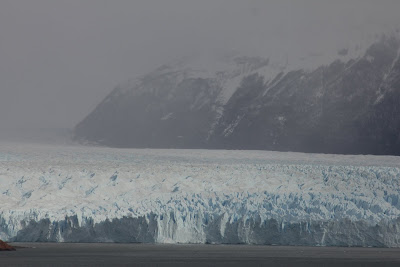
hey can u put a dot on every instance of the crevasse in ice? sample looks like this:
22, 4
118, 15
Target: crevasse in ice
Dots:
82, 194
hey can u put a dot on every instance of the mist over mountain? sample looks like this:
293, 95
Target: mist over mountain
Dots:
343, 101
196, 81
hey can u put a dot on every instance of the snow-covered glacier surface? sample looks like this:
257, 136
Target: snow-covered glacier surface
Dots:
87, 194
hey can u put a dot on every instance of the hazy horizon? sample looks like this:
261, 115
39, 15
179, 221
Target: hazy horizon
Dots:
59, 59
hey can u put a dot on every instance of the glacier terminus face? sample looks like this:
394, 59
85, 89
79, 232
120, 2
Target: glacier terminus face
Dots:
88, 194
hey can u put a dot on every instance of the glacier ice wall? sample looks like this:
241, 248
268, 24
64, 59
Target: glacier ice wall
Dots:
82, 194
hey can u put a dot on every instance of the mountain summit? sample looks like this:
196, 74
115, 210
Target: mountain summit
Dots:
348, 104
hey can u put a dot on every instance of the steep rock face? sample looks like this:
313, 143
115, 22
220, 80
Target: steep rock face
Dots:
348, 106
339, 108
165, 110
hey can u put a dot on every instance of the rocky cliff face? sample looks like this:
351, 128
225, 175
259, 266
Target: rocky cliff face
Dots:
347, 106
5, 247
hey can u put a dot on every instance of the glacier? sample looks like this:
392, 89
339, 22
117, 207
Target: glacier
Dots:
54, 193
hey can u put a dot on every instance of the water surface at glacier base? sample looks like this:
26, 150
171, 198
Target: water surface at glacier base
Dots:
111, 254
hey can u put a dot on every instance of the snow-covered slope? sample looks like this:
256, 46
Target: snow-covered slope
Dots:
339, 101
86, 194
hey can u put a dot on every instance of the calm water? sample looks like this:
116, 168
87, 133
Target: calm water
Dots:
56, 254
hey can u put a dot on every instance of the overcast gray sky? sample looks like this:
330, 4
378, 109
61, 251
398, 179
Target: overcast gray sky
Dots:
59, 58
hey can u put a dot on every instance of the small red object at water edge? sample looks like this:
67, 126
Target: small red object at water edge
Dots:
5, 246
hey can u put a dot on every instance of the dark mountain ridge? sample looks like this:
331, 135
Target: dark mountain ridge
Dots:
347, 107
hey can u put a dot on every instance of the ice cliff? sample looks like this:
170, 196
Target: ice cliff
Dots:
82, 194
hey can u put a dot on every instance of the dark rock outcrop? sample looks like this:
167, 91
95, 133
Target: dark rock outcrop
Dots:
5, 247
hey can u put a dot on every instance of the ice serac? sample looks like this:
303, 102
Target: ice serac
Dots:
83, 194
343, 102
